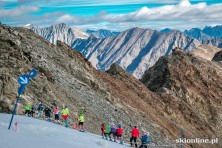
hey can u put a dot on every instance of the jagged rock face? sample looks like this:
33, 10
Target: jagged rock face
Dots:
135, 50
66, 77
60, 32
205, 51
196, 86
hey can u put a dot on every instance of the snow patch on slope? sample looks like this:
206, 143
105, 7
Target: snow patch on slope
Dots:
38, 133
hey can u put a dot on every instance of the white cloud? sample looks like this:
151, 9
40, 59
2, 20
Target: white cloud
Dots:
17, 11
184, 11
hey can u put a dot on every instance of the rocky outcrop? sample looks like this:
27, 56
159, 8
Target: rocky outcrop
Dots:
195, 88
205, 51
218, 57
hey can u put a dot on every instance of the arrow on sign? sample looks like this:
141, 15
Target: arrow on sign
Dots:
23, 79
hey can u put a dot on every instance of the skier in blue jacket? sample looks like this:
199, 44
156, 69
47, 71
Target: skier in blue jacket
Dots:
144, 140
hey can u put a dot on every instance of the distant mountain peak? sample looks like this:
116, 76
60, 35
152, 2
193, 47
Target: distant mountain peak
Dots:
135, 49
61, 32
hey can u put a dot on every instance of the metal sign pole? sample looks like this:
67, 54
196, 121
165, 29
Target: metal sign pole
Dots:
13, 113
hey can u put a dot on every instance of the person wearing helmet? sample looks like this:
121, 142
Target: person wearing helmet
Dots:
135, 134
119, 132
65, 114
145, 140
81, 121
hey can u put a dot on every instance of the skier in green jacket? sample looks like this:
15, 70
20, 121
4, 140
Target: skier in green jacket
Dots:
108, 129
28, 109
81, 121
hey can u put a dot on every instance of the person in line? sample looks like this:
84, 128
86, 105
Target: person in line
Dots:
135, 134
28, 109
145, 140
119, 132
103, 129
65, 115
112, 132
56, 113
33, 110
81, 121
108, 132
47, 111
40, 110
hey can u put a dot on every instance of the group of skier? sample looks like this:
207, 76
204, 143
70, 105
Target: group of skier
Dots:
116, 133
109, 131
45, 113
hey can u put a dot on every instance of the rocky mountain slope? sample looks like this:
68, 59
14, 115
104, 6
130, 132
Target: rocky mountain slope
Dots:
206, 51
101, 33
195, 86
66, 77
135, 49
59, 32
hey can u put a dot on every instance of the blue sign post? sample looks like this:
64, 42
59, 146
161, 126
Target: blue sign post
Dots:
23, 80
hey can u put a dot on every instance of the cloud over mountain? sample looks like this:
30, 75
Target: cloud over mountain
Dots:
184, 11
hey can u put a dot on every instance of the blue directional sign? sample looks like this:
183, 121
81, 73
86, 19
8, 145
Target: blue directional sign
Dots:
33, 73
21, 89
23, 79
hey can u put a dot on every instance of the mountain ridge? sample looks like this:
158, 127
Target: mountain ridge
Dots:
135, 49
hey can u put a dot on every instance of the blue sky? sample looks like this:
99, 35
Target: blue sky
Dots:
113, 14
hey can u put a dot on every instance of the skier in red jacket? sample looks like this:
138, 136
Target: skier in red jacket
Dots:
119, 132
135, 135
103, 129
